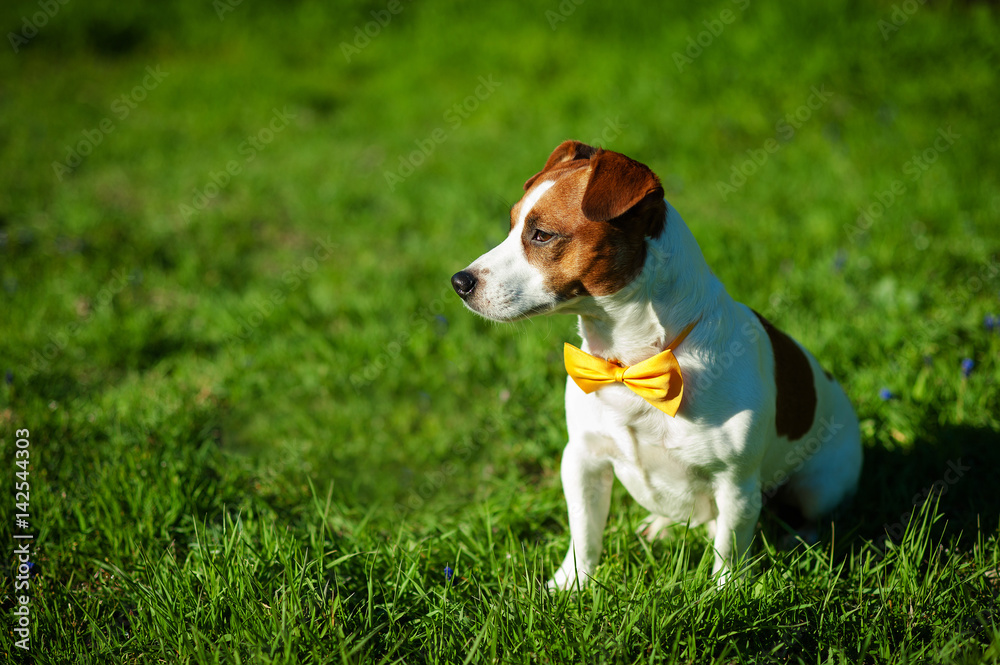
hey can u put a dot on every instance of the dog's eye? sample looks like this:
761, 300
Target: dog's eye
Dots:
542, 236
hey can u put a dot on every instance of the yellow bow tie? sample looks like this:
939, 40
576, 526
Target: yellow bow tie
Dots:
657, 380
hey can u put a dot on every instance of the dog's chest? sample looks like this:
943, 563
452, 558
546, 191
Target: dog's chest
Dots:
650, 451
666, 464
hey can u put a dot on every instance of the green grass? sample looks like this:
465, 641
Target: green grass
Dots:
261, 425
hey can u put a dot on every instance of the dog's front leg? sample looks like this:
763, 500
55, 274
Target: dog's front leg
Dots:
587, 486
739, 504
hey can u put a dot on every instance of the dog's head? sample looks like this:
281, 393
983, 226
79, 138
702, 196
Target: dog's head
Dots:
579, 230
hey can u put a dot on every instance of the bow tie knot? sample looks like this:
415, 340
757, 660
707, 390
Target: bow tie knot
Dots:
657, 380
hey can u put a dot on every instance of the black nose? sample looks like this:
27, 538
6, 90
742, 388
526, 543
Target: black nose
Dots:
464, 283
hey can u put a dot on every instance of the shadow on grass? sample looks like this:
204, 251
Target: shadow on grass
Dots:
955, 463
950, 464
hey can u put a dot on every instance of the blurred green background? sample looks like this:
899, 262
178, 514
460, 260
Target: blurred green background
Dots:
227, 229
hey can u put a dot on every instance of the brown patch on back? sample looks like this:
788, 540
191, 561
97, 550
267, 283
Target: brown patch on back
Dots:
795, 403
600, 209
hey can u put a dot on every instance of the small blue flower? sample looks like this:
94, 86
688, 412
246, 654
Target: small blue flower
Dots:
991, 322
9, 377
967, 365
441, 324
448, 572
839, 260
885, 394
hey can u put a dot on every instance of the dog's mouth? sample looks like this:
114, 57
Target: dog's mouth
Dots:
506, 311
500, 302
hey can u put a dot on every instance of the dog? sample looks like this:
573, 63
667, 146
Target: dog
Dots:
696, 403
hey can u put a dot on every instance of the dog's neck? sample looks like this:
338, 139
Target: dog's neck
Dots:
675, 288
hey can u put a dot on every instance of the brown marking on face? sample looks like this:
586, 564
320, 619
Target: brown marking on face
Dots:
795, 403
588, 232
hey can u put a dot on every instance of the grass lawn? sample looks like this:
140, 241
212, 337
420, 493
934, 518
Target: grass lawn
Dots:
261, 425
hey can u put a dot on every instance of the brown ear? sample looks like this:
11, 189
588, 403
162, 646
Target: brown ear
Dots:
618, 185
567, 151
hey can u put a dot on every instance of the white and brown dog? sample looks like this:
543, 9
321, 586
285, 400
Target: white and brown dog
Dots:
753, 411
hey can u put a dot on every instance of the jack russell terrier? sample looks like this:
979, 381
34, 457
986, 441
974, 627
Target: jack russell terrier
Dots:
699, 406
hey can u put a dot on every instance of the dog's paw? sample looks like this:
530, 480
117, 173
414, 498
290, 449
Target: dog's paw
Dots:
657, 527
566, 580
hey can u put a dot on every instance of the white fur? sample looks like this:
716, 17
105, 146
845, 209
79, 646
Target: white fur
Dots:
515, 288
711, 463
